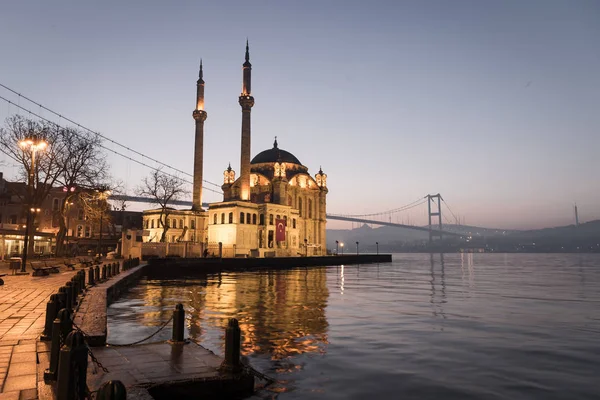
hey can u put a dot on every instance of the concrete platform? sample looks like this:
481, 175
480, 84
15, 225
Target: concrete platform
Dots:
232, 264
173, 368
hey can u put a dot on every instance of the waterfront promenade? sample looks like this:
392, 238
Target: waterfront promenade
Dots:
23, 301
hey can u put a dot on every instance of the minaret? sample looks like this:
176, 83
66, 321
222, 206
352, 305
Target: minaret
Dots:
199, 116
246, 102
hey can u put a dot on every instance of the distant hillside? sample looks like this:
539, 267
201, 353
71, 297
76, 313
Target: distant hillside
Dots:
585, 230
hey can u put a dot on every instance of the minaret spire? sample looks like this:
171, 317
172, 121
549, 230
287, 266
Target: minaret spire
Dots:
199, 116
246, 102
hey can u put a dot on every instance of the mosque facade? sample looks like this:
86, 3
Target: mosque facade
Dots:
274, 208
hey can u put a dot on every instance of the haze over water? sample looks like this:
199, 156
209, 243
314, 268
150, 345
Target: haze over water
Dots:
470, 326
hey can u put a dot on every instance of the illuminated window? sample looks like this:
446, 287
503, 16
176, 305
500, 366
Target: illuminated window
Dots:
215, 219
241, 218
253, 219
231, 218
262, 219
222, 218
79, 231
270, 219
88, 231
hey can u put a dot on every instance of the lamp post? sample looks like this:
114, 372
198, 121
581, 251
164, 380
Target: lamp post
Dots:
356, 248
377, 244
342, 245
337, 248
102, 194
32, 144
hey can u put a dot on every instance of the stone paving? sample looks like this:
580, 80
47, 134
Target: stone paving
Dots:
23, 301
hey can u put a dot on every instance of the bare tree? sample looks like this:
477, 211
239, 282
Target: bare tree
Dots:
163, 189
73, 159
84, 169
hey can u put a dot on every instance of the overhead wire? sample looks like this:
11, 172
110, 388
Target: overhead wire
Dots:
107, 148
99, 134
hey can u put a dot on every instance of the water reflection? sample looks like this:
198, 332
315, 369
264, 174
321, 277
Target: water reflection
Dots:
438, 290
281, 314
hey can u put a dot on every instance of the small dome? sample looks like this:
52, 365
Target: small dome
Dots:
274, 155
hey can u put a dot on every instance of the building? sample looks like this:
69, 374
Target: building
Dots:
274, 208
83, 232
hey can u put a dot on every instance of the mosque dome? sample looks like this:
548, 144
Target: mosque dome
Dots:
275, 155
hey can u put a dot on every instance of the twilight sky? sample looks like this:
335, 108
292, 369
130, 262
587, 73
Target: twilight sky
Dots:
496, 105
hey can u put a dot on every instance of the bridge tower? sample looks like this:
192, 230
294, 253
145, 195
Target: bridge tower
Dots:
436, 200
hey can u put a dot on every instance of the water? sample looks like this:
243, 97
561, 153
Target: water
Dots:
472, 326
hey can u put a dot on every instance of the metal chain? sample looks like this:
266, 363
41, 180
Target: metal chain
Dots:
142, 340
92, 356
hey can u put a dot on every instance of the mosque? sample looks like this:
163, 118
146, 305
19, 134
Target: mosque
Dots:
274, 208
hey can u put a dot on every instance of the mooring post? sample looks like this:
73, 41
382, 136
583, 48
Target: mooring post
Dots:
232, 347
74, 291
118, 267
51, 313
112, 390
104, 272
72, 368
97, 273
82, 279
108, 270
114, 266
60, 328
62, 297
178, 322
69, 296
91, 276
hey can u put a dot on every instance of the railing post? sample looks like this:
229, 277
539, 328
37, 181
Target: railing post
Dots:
62, 298
60, 328
97, 273
72, 368
112, 390
108, 270
104, 272
51, 313
178, 323
231, 363
69, 296
75, 286
82, 279
91, 276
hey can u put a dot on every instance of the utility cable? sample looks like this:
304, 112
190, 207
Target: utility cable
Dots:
97, 133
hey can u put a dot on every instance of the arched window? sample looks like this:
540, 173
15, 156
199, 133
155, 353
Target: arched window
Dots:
270, 219
241, 218
146, 224
285, 219
152, 223
193, 224
262, 219
215, 219
294, 223
231, 218
300, 206
222, 218
309, 208
173, 223
253, 219
248, 218
181, 223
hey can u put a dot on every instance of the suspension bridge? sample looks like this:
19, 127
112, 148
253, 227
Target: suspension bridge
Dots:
433, 202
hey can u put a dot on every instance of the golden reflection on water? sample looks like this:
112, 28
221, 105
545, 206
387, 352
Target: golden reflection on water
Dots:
280, 313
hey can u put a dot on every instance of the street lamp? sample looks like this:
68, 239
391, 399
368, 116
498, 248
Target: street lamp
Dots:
356, 248
342, 244
337, 248
377, 244
102, 195
33, 144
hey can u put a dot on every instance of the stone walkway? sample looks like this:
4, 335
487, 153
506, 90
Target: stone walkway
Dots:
23, 301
